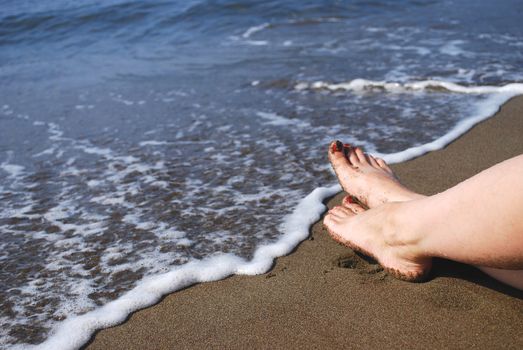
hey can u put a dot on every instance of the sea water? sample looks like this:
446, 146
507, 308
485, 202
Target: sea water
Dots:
149, 145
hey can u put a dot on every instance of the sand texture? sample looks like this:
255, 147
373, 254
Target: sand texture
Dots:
324, 296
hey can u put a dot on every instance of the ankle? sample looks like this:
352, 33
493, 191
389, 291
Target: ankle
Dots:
406, 195
401, 229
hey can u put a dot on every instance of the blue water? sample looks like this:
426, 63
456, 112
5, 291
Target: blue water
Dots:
138, 136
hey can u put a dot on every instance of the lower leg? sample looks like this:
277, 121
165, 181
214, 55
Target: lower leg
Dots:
476, 222
513, 278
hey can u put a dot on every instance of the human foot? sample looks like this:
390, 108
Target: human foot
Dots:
374, 232
368, 179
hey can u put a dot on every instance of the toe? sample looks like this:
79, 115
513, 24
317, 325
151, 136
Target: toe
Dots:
342, 166
337, 157
346, 201
346, 150
353, 158
355, 208
341, 212
373, 161
330, 220
383, 165
360, 155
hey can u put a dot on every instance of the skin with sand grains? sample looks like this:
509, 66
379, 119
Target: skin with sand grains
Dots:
403, 232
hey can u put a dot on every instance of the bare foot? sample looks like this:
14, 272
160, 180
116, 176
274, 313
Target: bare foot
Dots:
368, 179
372, 232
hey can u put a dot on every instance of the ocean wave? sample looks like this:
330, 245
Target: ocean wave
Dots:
123, 20
52, 25
363, 85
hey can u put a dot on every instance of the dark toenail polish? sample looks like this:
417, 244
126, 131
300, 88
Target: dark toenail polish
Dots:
349, 199
339, 146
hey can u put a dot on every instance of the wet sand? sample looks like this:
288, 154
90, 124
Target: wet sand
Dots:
325, 296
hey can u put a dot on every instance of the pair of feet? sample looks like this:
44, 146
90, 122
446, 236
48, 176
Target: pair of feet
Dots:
368, 226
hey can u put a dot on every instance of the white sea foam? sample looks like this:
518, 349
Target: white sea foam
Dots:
452, 48
75, 331
497, 96
361, 85
250, 31
278, 120
257, 42
153, 143
246, 36
483, 111
82, 107
12, 169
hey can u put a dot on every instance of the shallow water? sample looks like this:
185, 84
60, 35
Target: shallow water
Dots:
136, 137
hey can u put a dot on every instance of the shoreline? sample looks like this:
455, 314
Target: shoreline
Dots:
323, 295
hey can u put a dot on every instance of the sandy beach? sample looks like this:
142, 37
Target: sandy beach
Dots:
324, 296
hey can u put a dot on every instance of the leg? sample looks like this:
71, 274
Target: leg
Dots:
481, 217
513, 278
476, 222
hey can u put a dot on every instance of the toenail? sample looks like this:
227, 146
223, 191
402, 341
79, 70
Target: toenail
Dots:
336, 146
349, 199
339, 146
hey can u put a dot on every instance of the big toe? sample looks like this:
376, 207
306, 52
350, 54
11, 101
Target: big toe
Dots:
339, 161
336, 153
348, 203
336, 216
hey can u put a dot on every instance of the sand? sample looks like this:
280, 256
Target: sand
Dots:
324, 296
